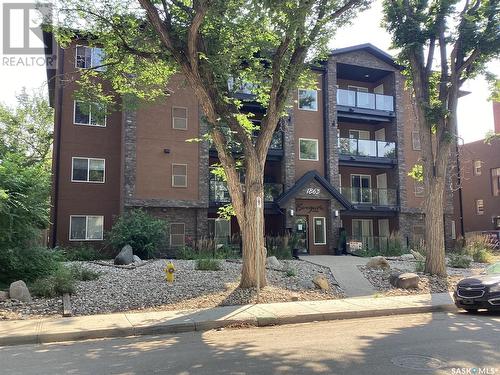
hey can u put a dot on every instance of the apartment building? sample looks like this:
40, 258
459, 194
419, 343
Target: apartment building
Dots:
339, 160
477, 197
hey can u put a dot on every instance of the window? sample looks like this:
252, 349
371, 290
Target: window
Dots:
179, 175
308, 100
496, 222
319, 230
179, 118
89, 57
308, 149
477, 167
177, 234
87, 169
361, 191
86, 228
219, 230
357, 88
419, 189
495, 181
415, 140
92, 114
479, 207
453, 230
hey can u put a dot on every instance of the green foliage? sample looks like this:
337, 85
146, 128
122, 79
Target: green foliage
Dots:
279, 246
81, 273
208, 265
187, 253
459, 261
417, 172
420, 266
136, 228
291, 272
59, 282
220, 252
226, 211
28, 264
479, 248
82, 252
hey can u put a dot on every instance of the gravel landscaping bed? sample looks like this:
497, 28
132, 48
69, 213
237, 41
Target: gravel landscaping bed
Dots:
145, 288
428, 284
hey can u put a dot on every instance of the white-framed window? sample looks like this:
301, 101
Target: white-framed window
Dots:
177, 234
179, 175
479, 207
88, 169
89, 57
453, 230
179, 118
419, 188
308, 149
86, 228
415, 140
90, 114
319, 234
308, 100
477, 167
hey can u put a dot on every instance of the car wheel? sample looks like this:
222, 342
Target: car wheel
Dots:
471, 311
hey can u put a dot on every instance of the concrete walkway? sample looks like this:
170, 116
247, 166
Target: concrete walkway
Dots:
33, 331
345, 271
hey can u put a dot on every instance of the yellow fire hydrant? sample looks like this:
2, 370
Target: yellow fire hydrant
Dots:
169, 272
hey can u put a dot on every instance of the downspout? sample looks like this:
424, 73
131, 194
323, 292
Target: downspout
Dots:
460, 202
57, 150
326, 138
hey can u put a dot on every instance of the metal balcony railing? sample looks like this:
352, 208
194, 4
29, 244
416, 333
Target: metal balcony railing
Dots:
364, 147
365, 100
370, 196
219, 193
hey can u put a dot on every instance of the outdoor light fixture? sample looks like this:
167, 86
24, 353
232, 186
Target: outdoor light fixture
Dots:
292, 212
336, 213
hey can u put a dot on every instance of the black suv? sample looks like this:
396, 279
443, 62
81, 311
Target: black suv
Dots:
479, 292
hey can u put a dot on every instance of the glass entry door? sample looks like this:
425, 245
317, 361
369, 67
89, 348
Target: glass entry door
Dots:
361, 188
301, 232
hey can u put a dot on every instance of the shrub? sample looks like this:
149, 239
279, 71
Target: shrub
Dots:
482, 256
290, 272
187, 252
60, 282
279, 246
140, 230
459, 261
208, 265
83, 274
28, 264
82, 253
479, 247
420, 266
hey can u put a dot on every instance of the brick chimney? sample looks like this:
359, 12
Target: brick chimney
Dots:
496, 116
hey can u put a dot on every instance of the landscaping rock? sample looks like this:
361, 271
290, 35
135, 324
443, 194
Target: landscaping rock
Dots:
19, 291
406, 280
407, 257
417, 255
273, 262
4, 296
378, 262
137, 259
321, 282
126, 256
307, 284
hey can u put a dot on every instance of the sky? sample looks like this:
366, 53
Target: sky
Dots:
475, 113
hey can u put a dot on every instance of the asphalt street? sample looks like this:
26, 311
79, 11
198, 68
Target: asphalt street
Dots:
440, 343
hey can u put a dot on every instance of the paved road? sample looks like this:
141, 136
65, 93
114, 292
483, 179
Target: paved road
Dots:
386, 345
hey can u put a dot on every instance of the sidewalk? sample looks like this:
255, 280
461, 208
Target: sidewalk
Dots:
34, 331
345, 270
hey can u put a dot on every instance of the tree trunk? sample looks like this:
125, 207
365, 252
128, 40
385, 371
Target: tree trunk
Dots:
434, 229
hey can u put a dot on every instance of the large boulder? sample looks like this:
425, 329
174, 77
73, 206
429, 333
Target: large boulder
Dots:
407, 257
273, 262
406, 280
19, 291
417, 256
321, 282
378, 262
126, 256
4, 296
137, 259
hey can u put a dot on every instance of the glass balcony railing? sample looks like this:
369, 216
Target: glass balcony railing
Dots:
370, 196
219, 193
276, 143
365, 100
359, 244
364, 147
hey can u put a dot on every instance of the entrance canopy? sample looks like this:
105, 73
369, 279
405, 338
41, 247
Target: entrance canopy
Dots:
313, 186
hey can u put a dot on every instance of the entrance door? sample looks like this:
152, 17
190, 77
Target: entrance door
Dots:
361, 188
383, 233
383, 199
301, 232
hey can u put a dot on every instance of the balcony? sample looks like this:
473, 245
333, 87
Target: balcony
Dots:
275, 151
363, 152
360, 197
218, 192
365, 100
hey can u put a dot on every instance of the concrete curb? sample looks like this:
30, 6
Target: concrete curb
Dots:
125, 325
